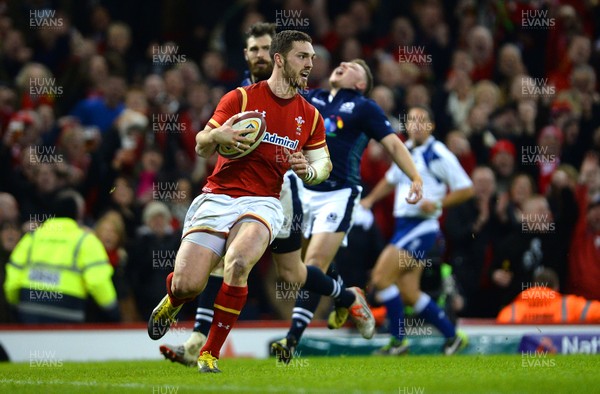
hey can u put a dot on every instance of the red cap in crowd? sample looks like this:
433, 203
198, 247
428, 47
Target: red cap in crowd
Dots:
503, 146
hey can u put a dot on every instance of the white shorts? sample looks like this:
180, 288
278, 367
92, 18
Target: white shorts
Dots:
218, 213
294, 210
332, 211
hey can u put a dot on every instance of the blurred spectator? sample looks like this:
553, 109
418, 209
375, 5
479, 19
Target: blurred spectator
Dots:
9, 208
584, 256
400, 37
526, 250
152, 162
102, 111
43, 286
117, 54
541, 303
152, 257
561, 195
349, 49
216, 72
510, 203
581, 91
417, 95
84, 74
344, 28
72, 145
36, 205
459, 145
478, 131
199, 108
573, 148
384, 97
15, 54
8, 105
510, 66
124, 141
121, 198
154, 89
433, 34
473, 230
110, 230
460, 98
579, 51
503, 161
35, 83
481, 48
527, 111
547, 155
486, 93
10, 234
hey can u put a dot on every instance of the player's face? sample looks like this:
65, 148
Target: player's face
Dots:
348, 75
298, 63
258, 58
418, 125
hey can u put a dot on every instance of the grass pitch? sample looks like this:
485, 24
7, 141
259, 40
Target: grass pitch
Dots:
400, 375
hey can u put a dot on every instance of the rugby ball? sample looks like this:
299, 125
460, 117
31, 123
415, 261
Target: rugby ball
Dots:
254, 126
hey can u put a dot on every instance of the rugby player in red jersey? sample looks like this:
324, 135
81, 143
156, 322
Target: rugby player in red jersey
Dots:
238, 214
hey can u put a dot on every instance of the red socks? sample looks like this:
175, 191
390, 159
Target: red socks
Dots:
174, 300
228, 305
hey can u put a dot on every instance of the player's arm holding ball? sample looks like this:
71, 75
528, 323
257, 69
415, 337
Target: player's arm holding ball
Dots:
208, 139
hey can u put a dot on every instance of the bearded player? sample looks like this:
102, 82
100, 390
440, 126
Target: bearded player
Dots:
238, 214
289, 239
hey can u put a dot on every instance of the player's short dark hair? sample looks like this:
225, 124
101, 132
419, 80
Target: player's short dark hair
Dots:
260, 29
368, 73
284, 40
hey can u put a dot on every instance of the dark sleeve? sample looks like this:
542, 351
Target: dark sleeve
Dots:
375, 123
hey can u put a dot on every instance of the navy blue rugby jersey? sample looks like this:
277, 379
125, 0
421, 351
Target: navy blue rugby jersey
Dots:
351, 120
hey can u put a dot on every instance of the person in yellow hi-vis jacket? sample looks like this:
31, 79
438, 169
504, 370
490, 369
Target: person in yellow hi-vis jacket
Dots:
52, 271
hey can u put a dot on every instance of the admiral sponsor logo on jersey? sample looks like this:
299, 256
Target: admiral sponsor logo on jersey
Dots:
275, 139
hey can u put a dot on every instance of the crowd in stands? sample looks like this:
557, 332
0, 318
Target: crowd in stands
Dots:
106, 97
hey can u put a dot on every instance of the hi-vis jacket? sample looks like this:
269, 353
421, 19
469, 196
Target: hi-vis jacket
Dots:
52, 271
538, 305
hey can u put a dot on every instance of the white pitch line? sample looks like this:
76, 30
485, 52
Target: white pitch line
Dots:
150, 386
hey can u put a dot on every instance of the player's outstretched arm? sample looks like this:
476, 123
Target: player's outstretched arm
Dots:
401, 157
208, 139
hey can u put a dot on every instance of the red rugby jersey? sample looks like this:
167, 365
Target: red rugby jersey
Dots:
291, 123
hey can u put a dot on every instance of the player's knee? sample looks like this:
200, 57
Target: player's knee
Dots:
237, 267
186, 286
